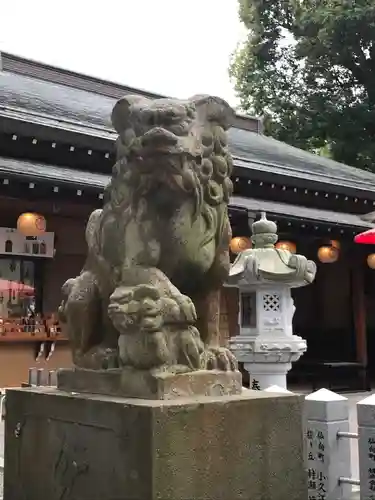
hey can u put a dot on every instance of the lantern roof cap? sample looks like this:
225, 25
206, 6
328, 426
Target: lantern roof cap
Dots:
266, 264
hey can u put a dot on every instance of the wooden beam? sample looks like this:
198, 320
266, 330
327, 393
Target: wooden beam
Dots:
14, 206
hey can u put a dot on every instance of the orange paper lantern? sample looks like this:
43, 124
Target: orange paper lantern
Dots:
31, 224
371, 261
239, 244
328, 254
286, 245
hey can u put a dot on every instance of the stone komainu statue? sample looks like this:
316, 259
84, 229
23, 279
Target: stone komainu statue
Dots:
148, 296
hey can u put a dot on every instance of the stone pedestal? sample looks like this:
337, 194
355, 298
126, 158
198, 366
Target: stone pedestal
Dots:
131, 383
67, 446
264, 375
267, 359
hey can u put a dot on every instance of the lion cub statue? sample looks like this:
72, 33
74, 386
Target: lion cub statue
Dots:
148, 296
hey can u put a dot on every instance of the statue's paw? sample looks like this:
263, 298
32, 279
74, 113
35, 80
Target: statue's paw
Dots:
61, 312
67, 287
186, 308
139, 306
99, 358
145, 350
218, 358
190, 348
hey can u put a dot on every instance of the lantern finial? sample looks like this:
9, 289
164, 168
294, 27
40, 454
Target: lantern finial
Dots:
264, 232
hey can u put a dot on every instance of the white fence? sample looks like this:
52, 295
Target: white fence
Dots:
328, 450
41, 377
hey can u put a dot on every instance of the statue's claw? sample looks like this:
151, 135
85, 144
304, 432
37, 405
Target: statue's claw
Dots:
99, 358
187, 309
191, 348
219, 358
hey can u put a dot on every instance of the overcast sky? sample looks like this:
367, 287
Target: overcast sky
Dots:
172, 47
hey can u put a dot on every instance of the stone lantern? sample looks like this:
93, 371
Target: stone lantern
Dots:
265, 276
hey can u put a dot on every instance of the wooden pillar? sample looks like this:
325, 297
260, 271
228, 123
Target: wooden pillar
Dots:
228, 314
315, 320
359, 309
232, 301
223, 325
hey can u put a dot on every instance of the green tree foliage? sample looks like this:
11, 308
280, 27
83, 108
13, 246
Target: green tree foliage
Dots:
308, 67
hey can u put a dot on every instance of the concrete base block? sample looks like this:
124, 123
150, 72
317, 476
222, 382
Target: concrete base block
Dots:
64, 446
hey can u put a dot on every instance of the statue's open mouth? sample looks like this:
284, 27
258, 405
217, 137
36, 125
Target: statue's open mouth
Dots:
165, 158
160, 141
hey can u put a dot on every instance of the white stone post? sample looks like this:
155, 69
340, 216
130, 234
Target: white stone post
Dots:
41, 377
366, 447
52, 378
327, 455
33, 378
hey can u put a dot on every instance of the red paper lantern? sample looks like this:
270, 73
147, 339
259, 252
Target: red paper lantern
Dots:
366, 238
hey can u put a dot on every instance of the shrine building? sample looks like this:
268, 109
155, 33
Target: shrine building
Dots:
56, 156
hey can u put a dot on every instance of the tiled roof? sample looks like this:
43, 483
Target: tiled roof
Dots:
264, 153
55, 102
79, 111
299, 212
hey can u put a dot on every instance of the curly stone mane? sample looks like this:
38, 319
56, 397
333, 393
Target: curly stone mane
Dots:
210, 173
216, 167
202, 172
